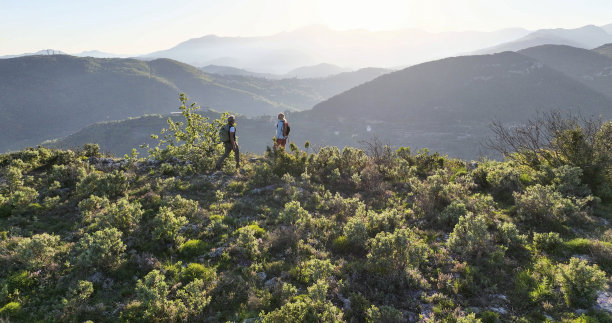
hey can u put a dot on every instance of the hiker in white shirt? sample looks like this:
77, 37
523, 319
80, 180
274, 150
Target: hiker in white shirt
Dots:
281, 131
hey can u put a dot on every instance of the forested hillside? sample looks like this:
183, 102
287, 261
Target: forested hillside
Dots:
326, 235
604, 50
47, 97
445, 105
588, 67
507, 86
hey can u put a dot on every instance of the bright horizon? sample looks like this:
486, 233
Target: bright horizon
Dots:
139, 27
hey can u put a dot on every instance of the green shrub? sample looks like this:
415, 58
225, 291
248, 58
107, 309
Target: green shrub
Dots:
510, 236
426, 163
568, 181
356, 232
386, 221
471, 238
306, 308
10, 309
282, 162
195, 139
263, 176
341, 244
22, 197
111, 185
102, 249
391, 253
167, 225
151, 292
313, 270
436, 192
451, 214
548, 241
193, 248
183, 207
580, 282
489, 317
503, 180
384, 314
248, 240
337, 169
294, 213
40, 251
343, 208
69, 175
20, 280
123, 214
193, 299
154, 302
76, 298
541, 204
198, 271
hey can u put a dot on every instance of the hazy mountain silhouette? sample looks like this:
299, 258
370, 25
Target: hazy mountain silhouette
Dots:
584, 37
40, 52
604, 50
312, 45
99, 54
228, 70
585, 66
315, 71
298, 93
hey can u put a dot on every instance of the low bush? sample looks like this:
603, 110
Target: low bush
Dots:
580, 282
548, 241
194, 248
102, 250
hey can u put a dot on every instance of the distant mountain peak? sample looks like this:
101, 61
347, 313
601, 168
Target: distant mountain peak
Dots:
584, 37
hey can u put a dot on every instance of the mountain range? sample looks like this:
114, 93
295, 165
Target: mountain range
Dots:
316, 44
585, 37
605, 50
314, 71
51, 96
445, 105
285, 54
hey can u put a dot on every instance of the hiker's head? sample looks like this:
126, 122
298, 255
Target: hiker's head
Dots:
281, 116
231, 119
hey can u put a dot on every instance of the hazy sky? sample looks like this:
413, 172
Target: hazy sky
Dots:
143, 26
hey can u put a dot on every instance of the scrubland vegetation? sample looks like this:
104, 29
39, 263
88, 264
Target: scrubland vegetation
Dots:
355, 235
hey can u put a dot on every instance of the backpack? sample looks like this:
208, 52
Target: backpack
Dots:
224, 132
287, 128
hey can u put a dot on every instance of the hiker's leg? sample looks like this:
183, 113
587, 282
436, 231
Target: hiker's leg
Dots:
237, 155
282, 142
228, 149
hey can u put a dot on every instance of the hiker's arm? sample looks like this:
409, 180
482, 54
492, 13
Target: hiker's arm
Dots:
233, 139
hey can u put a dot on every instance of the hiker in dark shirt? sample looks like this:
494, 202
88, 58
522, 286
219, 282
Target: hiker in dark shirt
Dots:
228, 136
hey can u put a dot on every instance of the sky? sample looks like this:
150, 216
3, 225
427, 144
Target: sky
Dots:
133, 27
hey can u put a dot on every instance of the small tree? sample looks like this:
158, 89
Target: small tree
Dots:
580, 282
555, 139
195, 139
103, 250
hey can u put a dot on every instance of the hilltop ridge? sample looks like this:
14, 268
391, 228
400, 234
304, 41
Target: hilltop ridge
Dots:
333, 235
